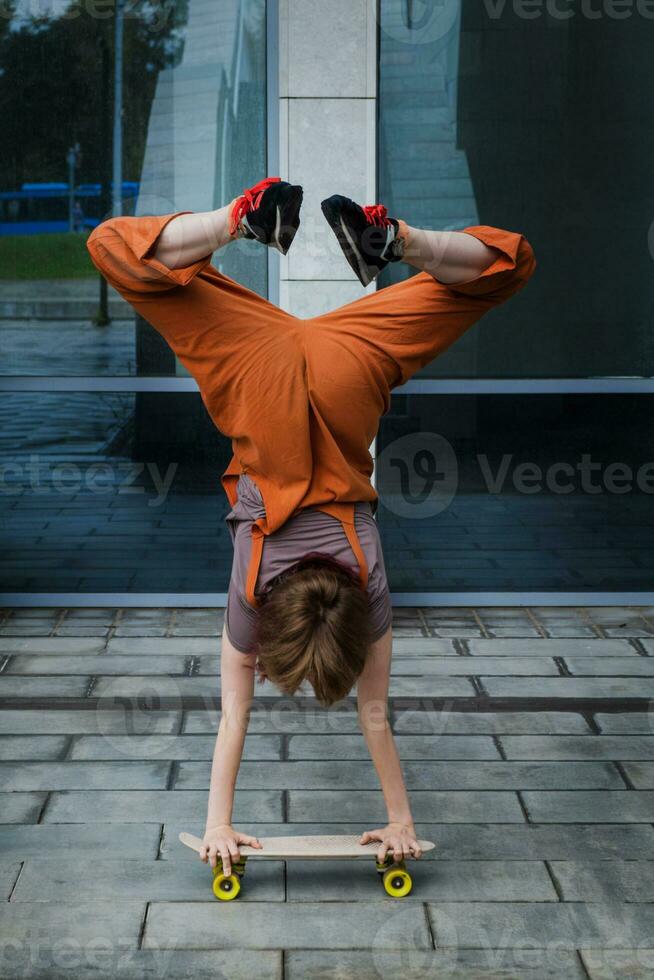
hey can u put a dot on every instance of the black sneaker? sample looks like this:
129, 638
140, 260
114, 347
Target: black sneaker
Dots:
268, 212
368, 237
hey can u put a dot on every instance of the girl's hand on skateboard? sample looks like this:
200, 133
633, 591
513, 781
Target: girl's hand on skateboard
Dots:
223, 841
397, 839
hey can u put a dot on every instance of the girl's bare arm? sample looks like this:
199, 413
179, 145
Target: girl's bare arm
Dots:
237, 687
399, 837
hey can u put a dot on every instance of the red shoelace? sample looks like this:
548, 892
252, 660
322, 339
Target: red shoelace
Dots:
376, 215
249, 201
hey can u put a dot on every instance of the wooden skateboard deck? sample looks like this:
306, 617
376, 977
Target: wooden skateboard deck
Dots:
326, 848
395, 878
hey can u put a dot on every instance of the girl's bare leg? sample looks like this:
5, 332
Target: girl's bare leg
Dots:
268, 212
189, 237
449, 256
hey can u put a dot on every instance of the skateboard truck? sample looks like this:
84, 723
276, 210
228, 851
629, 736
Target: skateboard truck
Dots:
227, 887
395, 878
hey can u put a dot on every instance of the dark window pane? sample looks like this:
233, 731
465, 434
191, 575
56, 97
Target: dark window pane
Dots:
539, 493
111, 493
540, 122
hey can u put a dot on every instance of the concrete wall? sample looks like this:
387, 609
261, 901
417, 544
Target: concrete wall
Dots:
327, 113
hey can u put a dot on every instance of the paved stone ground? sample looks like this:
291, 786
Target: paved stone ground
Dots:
527, 743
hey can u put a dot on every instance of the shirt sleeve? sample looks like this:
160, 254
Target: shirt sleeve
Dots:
240, 623
381, 615
121, 248
379, 596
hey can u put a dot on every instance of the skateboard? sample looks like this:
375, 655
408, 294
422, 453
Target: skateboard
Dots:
394, 876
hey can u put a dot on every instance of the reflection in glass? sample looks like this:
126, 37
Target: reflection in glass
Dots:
95, 498
555, 493
542, 123
194, 135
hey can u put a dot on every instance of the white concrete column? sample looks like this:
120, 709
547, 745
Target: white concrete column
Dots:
327, 139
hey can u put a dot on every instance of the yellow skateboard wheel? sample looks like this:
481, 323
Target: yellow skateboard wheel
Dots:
397, 882
226, 887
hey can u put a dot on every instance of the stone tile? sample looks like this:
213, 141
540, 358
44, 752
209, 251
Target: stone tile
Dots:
332, 61
441, 687
57, 645
551, 648
641, 774
322, 747
577, 747
33, 776
605, 881
136, 687
83, 631
89, 722
618, 964
568, 687
541, 925
418, 775
80, 963
464, 666
43, 840
462, 964
15, 747
570, 631
8, 876
76, 879
472, 722
628, 630
93, 747
400, 632
146, 630
284, 717
43, 687
634, 723
337, 124
611, 666
447, 881
142, 806
109, 928
291, 925
32, 631
542, 842
427, 806
188, 646
96, 664
607, 806
21, 807
423, 646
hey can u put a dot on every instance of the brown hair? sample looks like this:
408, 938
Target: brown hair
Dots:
314, 625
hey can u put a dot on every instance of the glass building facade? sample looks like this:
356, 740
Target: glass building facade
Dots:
519, 463
539, 122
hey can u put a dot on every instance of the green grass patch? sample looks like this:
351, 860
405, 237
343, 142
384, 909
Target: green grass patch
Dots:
62, 255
